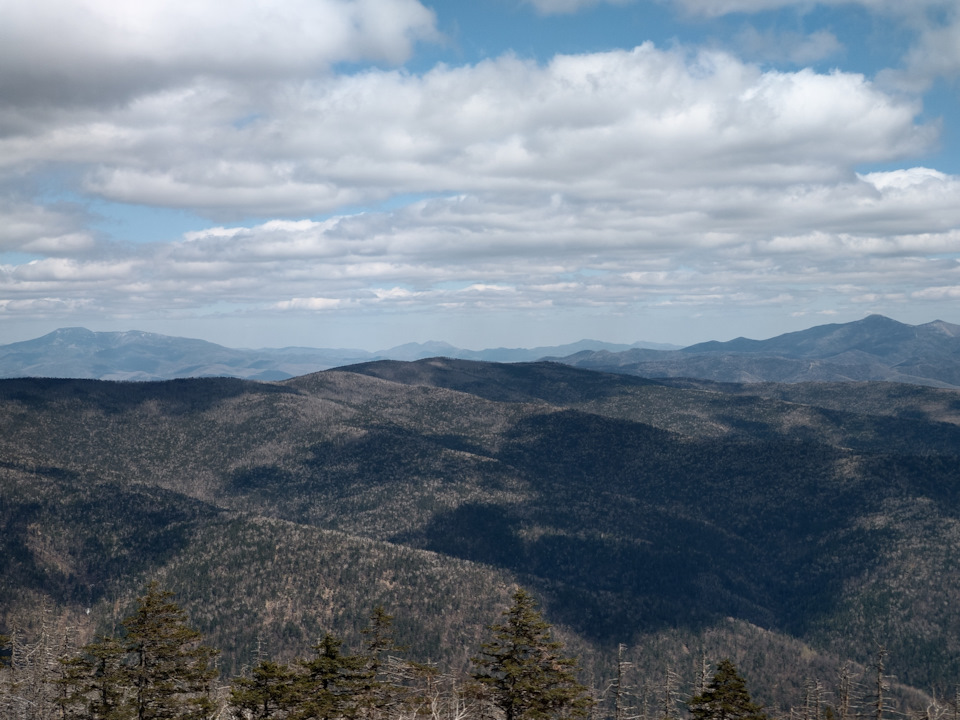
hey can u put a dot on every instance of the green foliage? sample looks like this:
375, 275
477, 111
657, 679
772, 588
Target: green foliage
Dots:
270, 693
523, 667
171, 671
157, 671
725, 698
95, 683
333, 682
4, 651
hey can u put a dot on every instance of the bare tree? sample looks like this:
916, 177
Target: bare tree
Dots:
813, 700
848, 693
703, 674
669, 694
881, 685
619, 698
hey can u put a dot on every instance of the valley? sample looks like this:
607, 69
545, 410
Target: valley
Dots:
791, 527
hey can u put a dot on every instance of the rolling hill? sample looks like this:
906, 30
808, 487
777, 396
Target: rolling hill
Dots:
792, 527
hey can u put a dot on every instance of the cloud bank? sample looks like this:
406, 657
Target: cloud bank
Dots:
102, 51
644, 178
672, 177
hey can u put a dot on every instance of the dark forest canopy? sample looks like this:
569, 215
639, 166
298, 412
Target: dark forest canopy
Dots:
789, 528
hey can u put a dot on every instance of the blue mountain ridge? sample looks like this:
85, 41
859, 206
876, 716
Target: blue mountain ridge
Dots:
136, 355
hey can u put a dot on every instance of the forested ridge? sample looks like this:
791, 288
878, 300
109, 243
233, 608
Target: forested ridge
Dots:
158, 668
794, 529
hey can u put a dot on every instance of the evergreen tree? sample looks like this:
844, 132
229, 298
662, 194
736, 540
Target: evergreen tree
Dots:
269, 694
92, 684
376, 691
523, 669
170, 672
157, 671
332, 682
725, 698
4, 651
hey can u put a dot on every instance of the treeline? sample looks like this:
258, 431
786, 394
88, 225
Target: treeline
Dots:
157, 668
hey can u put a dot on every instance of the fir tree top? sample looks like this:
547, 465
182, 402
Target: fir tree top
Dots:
725, 698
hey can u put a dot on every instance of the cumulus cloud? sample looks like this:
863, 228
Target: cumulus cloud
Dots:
565, 7
713, 8
600, 127
704, 247
610, 180
31, 228
101, 50
312, 304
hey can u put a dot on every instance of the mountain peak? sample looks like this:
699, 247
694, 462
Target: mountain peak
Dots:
876, 319
70, 333
943, 328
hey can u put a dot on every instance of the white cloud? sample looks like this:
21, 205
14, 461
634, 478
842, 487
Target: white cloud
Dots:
312, 304
610, 180
55, 270
939, 293
98, 50
713, 8
565, 7
68, 244
28, 227
606, 127
792, 47
43, 306
909, 178
700, 247
936, 53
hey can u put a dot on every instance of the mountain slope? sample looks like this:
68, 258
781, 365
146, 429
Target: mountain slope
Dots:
875, 348
637, 510
875, 335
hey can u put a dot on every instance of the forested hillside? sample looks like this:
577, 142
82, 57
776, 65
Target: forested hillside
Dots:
875, 348
791, 528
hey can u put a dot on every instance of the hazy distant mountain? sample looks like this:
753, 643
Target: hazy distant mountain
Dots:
135, 355
421, 351
875, 348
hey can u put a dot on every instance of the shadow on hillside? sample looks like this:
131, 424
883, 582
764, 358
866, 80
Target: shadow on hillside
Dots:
75, 538
607, 587
550, 382
174, 397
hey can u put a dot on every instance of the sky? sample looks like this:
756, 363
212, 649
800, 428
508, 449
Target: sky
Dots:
489, 173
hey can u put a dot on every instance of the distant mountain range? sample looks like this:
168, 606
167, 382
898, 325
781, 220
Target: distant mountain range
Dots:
875, 348
136, 355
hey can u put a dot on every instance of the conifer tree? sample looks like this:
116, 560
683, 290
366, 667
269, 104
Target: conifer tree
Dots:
725, 698
332, 681
376, 690
269, 694
92, 684
171, 671
523, 667
4, 650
